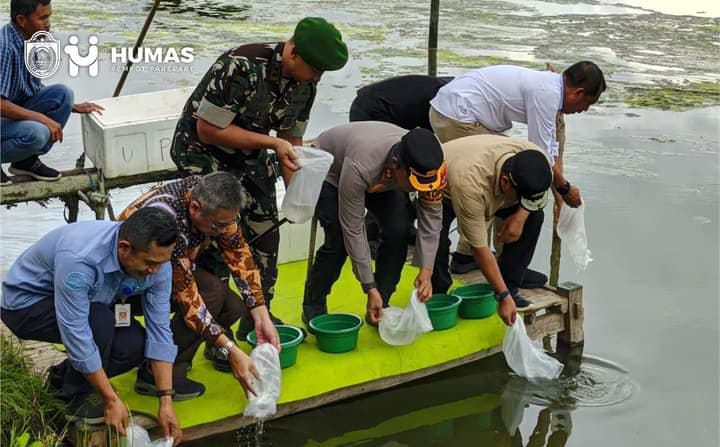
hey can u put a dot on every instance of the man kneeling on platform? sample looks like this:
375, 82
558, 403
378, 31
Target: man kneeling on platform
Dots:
80, 285
494, 177
205, 210
376, 165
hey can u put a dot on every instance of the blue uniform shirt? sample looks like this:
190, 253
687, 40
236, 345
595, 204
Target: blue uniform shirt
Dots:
76, 265
17, 84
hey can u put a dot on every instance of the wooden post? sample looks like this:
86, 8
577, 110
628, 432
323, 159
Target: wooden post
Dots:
433, 37
556, 249
573, 333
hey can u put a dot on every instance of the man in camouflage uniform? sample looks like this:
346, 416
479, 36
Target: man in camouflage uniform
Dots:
225, 125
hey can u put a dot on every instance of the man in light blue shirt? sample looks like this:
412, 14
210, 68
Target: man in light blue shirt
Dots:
488, 100
77, 286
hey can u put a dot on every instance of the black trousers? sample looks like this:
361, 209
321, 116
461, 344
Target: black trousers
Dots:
121, 348
513, 261
391, 211
225, 307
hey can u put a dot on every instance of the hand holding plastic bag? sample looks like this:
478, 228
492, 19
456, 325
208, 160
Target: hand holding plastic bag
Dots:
526, 359
571, 229
267, 390
402, 326
304, 189
137, 436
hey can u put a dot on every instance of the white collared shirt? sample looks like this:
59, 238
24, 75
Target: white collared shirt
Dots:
497, 95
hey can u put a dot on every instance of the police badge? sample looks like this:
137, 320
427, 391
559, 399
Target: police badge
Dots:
42, 55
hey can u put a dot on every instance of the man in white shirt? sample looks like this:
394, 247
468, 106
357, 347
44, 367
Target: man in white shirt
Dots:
489, 99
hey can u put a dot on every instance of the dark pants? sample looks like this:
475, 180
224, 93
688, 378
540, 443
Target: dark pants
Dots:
121, 348
513, 261
391, 210
225, 307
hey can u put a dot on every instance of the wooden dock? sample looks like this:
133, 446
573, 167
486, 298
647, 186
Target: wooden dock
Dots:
554, 312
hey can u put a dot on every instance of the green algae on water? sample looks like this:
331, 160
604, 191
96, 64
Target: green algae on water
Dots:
675, 96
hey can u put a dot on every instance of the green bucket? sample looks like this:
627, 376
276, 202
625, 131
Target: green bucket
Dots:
478, 300
336, 333
443, 311
290, 339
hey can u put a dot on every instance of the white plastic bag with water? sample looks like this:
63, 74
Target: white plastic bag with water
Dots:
526, 359
267, 390
402, 326
137, 436
304, 189
571, 229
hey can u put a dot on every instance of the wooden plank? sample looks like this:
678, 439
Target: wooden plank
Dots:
575, 315
25, 189
550, 323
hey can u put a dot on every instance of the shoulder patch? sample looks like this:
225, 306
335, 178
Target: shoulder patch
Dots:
77, 280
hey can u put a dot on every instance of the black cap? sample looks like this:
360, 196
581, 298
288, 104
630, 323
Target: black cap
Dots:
420, 151
531, 176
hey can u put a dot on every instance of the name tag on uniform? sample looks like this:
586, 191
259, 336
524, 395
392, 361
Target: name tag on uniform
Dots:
122, 315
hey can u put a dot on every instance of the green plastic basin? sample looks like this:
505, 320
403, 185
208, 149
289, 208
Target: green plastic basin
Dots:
290, 339
478, 300
443, 311
336, 333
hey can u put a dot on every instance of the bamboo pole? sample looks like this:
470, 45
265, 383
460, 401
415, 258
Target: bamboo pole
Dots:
433, 37
138, 44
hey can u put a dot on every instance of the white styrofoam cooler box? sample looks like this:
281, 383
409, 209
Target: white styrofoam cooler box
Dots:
294, 238
134, 133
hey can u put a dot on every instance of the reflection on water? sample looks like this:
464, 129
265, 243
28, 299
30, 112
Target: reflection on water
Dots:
478, 404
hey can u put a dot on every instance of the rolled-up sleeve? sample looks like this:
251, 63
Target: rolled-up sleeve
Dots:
351, 213
541, 116
156, 308
225, 92
73, 281
471, 220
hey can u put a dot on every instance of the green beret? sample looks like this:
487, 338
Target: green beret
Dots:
320, 44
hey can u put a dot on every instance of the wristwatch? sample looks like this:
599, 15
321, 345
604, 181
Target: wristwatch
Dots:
225, 349
502, 295
564, 189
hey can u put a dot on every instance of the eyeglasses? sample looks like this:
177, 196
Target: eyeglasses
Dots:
217, 226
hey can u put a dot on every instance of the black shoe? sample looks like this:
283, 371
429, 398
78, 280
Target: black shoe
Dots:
185, 388
520, 301
461, 263
533, 280
275, 319
34, 168
246, 326
218, 359
87, 408
56, 377
4, 179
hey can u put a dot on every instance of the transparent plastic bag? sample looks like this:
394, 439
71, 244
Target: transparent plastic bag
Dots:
267, 389
304, 189
526, 359
402, 326
137, 436
571, 229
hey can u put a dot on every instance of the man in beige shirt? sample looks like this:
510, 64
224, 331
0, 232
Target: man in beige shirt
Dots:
375, 166
489, 177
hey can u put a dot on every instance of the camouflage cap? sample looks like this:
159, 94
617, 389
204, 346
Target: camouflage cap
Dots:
320, 44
